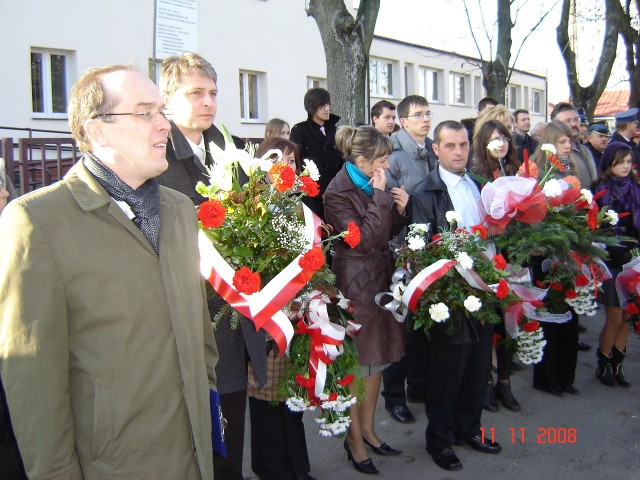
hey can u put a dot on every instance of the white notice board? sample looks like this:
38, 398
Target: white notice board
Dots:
176, 27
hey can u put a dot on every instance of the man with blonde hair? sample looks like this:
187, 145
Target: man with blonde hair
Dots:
106, 349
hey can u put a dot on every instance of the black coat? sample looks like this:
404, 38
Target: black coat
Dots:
524, 142
321, 148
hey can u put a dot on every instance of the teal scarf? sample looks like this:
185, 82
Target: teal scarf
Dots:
359, 178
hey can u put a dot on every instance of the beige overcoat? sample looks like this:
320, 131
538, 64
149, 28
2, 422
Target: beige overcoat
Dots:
106, 350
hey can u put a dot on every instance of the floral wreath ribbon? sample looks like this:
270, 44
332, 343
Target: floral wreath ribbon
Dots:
263, 307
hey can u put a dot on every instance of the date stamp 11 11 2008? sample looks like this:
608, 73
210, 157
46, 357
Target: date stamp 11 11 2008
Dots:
542, 435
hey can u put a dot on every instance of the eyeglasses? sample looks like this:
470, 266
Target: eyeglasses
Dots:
421, 115
149, 115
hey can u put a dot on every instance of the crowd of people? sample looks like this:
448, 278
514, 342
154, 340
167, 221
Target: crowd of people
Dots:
108, 373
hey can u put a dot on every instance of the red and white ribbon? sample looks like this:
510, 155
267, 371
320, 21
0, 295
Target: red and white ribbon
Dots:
628, 281
263, 307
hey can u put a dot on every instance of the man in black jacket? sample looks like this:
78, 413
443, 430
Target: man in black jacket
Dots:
459, 362
316, 138
188, 84
596, 141
521, 129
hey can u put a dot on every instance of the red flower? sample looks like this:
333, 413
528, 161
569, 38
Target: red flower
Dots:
632, 309
573, 182
582, 280
531, 326
503, 289
556, 286
352, 236
592, 219
246, 281
312, 260
304, 381
556, 163
309, 187
462, 231
541, 284
347, 380
537, 303
333, 396
435, 237
636, 328
496, 339
282, 176
480, 230
499, 262
570, 294
623, 214
211, 213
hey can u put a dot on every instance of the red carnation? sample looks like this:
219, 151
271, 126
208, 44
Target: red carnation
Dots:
592, 219
570, 294
246, 281
333, 396
480, 230
582, 280
636, 328
499, 262
435, 237
309, 186
541, 284
348, 379
556, 286
352, 237
531, 326
632, 309
304, 381
282, 176
312, 260
211, 213
503, 289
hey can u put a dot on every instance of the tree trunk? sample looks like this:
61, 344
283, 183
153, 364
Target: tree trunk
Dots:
346, 44
495, 73
631, 38
587, 97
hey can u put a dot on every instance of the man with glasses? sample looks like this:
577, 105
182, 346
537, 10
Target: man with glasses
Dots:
626, 128
106, 349
585, 166
189, 85
410, 162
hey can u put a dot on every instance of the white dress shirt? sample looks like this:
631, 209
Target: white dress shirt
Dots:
465, 197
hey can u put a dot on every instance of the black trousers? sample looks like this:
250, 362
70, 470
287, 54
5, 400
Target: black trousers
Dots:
412, 369
11, 467
233, 407
457, 379
557, 368
278, 442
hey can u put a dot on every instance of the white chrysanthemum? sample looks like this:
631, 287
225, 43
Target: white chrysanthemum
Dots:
419, 228
612, 217
587, 195
311, 169
439, 312
464, 260
552, 188
416, 243
494, 145
453, 216
530, 346
398, 291
549, 148
472, 303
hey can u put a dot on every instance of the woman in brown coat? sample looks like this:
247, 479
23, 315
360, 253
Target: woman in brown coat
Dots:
357, 194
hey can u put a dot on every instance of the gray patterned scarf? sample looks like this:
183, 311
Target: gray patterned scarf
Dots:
144, 201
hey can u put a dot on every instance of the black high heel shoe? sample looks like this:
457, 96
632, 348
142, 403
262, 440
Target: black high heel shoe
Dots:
384, 449
365, 466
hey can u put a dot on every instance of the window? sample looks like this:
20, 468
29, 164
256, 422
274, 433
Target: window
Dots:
536, 101
250, 95
459, 86
380, 78
512, 94
315, 82
478, 92
429, 84
49, 82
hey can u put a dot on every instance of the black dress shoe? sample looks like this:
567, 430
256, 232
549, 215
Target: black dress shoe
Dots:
477, 443
490, 401
401, 414
366, 466
503, 392
571, 389
384, 449
445, 458
583, 347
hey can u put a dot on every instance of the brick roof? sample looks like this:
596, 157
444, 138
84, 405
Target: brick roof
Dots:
612, 102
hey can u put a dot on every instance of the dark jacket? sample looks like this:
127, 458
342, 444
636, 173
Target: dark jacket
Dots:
524, 142
616, 137
429, 204
595, 154
184, 172
321, 148
366, 270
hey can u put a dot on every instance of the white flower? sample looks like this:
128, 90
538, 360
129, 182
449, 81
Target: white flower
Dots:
419, 228
453, 216
311, 169
612, 217
439, 312
464, 260
552, 188
587, 195
416, 243
494, 145
472, 303
398, 290
221, 177
548, 147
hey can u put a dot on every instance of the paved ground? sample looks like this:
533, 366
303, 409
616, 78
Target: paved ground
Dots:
606, 422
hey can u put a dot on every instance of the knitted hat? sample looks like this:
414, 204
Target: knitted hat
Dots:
609, 153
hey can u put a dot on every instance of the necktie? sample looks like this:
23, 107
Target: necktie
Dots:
200, 153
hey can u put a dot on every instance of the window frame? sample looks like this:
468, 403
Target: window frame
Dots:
47, 83
431, 90
466, 90
378, 92
245, 100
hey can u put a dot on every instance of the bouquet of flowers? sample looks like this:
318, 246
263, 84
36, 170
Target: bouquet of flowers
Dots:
262, 252
628, 289
453, 273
